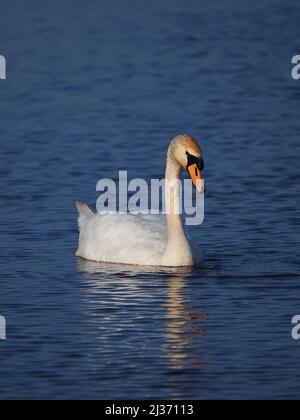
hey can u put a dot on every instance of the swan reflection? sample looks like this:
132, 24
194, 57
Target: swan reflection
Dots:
154, 306
185, 325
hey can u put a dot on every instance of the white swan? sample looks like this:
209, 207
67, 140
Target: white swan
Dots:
145, 240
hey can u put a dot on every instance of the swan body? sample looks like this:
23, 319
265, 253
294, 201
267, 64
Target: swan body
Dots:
144, 240
102, 238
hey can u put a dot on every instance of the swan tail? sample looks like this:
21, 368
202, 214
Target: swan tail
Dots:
85, 213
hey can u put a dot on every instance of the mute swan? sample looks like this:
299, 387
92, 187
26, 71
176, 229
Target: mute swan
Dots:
145, 240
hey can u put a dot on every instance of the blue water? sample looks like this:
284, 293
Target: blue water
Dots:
94, 87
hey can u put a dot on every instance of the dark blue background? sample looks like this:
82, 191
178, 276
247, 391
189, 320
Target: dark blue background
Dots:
94, 87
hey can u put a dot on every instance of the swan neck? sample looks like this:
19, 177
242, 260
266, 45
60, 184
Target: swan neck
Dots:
173, 201
178, 251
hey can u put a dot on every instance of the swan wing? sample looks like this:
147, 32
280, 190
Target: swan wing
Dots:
126, 239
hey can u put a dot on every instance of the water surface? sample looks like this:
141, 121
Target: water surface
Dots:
101, 86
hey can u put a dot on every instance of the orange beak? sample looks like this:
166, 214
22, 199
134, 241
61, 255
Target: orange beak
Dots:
196, 176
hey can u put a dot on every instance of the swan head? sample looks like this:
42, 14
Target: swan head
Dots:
188, 154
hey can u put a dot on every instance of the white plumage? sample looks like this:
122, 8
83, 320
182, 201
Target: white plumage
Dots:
124, 238
142, 240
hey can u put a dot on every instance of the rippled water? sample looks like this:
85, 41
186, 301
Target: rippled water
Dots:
101, 86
